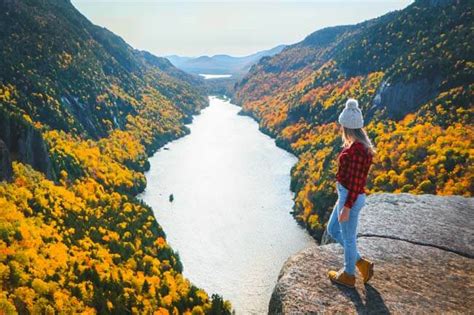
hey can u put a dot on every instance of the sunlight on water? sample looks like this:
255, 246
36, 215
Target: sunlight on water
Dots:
215, 76
230, 219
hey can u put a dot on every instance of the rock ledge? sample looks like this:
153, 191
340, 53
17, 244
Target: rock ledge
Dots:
423, 249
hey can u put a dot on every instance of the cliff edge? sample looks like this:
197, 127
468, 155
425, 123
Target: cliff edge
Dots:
423, 249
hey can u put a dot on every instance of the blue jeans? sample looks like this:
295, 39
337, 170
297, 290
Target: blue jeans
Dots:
345, 233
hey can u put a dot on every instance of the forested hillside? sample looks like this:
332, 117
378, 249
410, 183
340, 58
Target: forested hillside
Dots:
413, 73
80, 111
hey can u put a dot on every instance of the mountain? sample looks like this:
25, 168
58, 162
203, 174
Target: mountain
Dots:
79, 68
80, 111
221, 64
412, 71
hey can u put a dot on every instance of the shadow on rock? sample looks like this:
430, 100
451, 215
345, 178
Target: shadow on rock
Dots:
373, 304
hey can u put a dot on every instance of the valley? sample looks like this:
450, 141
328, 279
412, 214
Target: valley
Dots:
125, 188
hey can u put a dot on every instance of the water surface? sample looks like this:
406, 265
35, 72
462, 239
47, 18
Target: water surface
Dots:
230, 219
215, 76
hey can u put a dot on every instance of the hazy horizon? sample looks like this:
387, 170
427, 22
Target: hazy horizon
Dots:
237, 28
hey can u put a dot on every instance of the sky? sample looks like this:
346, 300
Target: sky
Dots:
234, 27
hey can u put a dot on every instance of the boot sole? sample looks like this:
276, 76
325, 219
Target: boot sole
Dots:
342, 283
370, 273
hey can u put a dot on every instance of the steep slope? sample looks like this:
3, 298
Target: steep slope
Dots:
222, 64
80, 111
79, 71
412, 71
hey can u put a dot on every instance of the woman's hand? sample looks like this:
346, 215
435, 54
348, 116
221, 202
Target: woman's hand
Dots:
344, 214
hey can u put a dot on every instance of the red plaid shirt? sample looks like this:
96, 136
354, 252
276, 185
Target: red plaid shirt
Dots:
354, 164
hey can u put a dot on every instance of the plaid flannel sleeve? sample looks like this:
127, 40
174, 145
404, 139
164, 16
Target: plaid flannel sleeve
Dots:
355, 171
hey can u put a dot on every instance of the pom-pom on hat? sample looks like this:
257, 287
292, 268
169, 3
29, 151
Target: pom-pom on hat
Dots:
351, 116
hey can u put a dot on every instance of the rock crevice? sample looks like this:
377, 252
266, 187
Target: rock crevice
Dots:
467, 255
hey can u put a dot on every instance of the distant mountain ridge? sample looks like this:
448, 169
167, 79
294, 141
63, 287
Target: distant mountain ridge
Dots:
221, 64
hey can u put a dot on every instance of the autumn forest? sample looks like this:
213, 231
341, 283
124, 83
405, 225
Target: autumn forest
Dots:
81, 111
414, 78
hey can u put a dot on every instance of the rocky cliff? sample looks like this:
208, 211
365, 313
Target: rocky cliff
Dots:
20, 141
5, 162
423, 249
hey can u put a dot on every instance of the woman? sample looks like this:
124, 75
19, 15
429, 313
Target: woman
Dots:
353, 166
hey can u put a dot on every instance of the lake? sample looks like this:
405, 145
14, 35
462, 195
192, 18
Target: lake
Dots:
230, 218
215, 76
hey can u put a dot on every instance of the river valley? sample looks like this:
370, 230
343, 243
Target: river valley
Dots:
229, 218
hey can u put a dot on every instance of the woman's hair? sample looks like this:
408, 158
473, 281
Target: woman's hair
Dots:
350, 135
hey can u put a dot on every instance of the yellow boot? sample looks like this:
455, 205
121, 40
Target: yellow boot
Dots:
342, 277
366, 268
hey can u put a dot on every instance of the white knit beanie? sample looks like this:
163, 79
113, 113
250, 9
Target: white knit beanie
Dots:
351, 116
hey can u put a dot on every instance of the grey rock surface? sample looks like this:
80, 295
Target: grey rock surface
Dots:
422, 250
400, 98
25, 144
439, 221
5, 162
